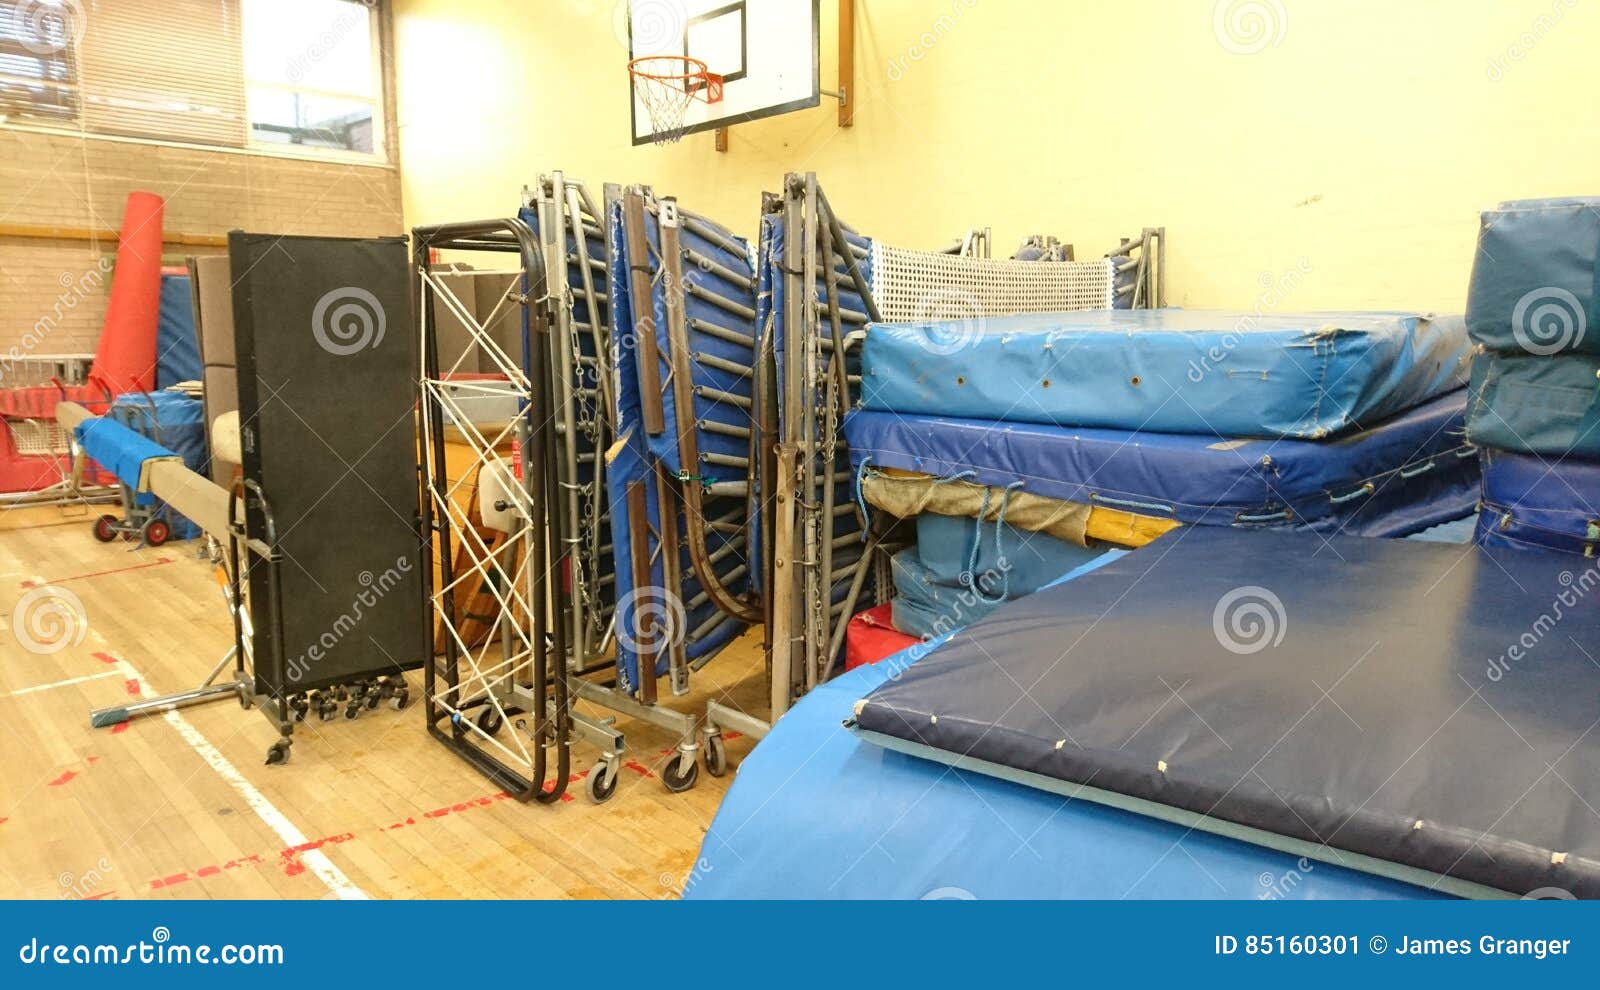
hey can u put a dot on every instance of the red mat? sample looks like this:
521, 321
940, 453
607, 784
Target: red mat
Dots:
869, 638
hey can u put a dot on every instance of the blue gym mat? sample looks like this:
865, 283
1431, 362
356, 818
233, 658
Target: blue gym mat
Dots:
1418, 710
816, 813
1307, 376
1393, 479
1540, 503
1536, 277
1535, 404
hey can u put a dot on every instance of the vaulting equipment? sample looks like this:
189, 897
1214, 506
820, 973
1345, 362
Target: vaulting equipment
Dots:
531, 431
1392, 479
211, 286
1536, 277
1536, 405
1350, 701
151, 471
1533, 503
327, 399
818, 813
1305, 376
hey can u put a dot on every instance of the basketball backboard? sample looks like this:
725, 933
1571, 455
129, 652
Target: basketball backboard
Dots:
766, 51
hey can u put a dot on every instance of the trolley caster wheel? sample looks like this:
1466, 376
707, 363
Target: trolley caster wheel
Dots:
372, 700
602, 782
490, 720
681, 773
400, 699
352, 709
716, 755
105, 528
278, 753
327, 709
156, 532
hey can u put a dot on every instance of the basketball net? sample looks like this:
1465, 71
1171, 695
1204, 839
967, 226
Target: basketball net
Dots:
666, 85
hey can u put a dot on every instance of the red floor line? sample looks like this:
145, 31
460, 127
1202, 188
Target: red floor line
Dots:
93, 574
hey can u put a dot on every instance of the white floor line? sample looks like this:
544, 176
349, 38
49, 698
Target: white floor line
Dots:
59, 684
314, 859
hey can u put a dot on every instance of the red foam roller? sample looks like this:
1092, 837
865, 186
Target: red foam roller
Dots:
126, 358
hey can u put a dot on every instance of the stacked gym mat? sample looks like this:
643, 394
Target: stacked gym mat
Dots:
962, 569
1113, 427
1534, 309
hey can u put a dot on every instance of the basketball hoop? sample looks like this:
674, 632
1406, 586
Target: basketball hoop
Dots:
666, 85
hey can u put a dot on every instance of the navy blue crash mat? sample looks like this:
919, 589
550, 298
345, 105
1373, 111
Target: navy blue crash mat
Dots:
1532, 502
1418, 711
1397, 478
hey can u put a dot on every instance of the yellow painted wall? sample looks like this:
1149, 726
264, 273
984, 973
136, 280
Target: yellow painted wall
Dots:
1356, 139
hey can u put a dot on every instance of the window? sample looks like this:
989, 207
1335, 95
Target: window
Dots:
298, 76
38, 67
313, 74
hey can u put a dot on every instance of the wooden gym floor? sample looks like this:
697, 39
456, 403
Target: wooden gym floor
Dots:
183, 806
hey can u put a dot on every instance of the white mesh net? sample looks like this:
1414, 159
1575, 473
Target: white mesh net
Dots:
922, 285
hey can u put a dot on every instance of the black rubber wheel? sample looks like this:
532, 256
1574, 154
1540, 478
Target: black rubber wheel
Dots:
400, 699
600, 785
105, 528
156, 532
490, 720
278, 753
681, 773
716, 755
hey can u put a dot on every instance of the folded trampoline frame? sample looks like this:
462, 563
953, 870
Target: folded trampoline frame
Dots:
810, 551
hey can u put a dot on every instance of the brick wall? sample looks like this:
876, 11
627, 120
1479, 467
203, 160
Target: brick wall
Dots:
72, 182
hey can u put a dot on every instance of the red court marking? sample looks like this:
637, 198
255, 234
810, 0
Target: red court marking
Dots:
94, 574
639, 768
104, 657
132, 686
4, 820
64, 778
120, 728
290, 858
109, 895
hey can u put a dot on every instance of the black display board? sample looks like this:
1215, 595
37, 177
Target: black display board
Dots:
327, 398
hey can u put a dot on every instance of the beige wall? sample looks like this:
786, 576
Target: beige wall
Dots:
1356, 145
75, 182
